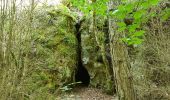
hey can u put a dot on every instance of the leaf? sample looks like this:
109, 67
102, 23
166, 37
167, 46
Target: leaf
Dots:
121, 24
126, 39
121, 29
165, 14
121, 15
138, 15
145, 5
133, 27
154, 2
139, 33
121, 8
129, 7
136, 41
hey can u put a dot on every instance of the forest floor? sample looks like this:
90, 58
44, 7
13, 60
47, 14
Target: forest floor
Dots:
87, 93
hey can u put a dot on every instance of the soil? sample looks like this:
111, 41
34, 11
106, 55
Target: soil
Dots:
87, 93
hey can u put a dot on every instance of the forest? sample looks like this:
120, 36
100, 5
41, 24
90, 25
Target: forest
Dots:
84, 49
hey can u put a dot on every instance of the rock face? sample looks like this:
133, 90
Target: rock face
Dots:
92, 60
70, 54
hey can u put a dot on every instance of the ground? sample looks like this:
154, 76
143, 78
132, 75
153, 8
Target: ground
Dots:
86, 93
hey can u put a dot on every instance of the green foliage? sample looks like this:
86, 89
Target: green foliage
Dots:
87, 6
165, 14
138, 13
136, 10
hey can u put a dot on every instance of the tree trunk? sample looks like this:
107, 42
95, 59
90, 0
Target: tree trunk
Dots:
120, 60
121, 68
122, 72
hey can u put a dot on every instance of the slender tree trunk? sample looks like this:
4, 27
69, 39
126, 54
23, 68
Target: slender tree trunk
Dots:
2, 20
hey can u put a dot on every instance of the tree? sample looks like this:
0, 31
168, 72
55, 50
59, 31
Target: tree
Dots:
127, 18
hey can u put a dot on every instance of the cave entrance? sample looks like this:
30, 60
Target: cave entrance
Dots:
81, 74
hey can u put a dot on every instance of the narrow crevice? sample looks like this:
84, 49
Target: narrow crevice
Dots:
81, 74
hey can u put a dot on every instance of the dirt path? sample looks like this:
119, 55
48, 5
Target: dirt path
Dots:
84, 93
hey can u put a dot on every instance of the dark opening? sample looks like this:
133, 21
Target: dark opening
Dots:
82, 74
